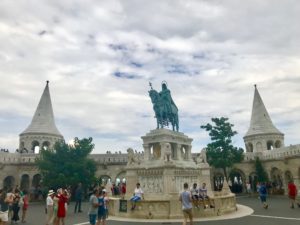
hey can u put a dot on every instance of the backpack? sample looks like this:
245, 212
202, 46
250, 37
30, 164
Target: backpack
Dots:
263, 190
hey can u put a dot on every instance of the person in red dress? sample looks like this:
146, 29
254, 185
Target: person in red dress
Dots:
123, 190
292, 189
63, 197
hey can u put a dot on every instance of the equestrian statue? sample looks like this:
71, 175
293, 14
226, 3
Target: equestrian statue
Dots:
164, 107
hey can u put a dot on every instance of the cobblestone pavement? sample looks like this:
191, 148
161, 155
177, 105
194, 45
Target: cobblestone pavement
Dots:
278, 213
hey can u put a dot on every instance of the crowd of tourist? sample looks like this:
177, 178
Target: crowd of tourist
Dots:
263, 189
57, 206
12, 201
98, 210
194, 197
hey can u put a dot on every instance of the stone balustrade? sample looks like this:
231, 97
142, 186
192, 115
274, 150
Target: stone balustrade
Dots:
109, 158
277, 153
113, 158
16, 158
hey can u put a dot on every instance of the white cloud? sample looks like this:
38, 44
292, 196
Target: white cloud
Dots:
100, 55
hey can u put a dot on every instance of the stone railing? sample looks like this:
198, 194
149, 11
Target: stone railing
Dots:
109, 158
113, 158
277, 153
16, 158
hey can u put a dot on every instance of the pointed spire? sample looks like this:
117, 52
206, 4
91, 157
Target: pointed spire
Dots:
43, 119
261, 122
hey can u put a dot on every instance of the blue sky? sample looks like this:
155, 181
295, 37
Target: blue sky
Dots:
100, 56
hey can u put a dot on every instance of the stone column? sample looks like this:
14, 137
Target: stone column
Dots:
146, 151
162, 150
131, 180
189, 152
178, 152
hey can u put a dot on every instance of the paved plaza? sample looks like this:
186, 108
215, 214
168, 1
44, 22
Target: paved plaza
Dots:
277, 214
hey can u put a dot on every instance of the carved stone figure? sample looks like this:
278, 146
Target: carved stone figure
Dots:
132, 157
201, 158
167, 152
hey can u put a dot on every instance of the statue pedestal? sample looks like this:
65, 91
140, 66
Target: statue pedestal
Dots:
166, 166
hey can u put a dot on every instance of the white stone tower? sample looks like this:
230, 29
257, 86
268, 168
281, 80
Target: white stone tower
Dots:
42, 131
262, 134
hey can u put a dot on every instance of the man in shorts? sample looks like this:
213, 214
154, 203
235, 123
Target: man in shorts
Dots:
263, 195
93, 210
195, 195
186, 202
204, 197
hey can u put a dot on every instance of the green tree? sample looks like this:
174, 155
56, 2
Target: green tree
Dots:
67, 164
262, 175
220, 152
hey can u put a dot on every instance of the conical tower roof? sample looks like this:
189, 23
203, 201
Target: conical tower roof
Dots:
43, 120
261, 122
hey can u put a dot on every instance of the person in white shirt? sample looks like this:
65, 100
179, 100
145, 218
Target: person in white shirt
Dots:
204, 197
185, 198
49, 207
195, 195
137, 195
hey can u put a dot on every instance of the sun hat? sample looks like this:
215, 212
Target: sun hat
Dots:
51, 192
104, 190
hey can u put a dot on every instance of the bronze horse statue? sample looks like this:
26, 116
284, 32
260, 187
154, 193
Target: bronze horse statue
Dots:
162, 114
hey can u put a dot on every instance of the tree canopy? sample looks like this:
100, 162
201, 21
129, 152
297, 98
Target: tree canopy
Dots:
220, 152
66, 165
261, 173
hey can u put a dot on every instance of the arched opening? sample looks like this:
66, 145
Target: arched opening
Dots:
288, 177
45, 145
278, 144
270, 145
104, 179
36, 149
35, 146
36, 187
8, 182
24, 182
237, 180
253, 180
258, 146
277, 181
218, 181
183, 152
249, 147
121, 178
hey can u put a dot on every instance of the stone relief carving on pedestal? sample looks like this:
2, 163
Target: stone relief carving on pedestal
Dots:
201, 158
151, 184
180, 180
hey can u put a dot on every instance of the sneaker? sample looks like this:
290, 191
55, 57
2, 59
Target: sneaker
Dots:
266, 206
211, 206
